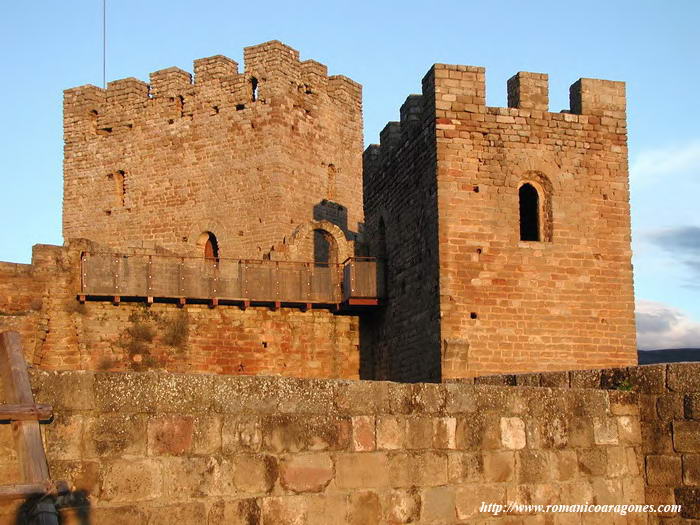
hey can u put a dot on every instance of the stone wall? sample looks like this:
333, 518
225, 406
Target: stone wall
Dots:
669, 403
165, 448
59, 333
505, 304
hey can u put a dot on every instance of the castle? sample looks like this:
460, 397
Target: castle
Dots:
232, 224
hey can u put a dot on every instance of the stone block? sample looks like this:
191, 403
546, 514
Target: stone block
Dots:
691, 469
63, 437
664, 471
629, 430
633, 490
241, 433
170, 435
689, 500
124, 515
576, 492
186, 477
419, 432
307, 433
444, 433
617, 462
585, 378
464, 467
391, 432
498, 466
592, 462
429, 398
364, 437
692, 406
607, 491
669, 407
565, 465
554, 379
64, 391
125, 392
235, 512
356, 398
81, 476
430, 467
605, 431
364, 509
533, 466
115, 435
306, 472
683, 377
285, 510
459, 399
254, 473
513, 433
580, 432
129, 480
207, 435
469, 498
686, 436
184, 513
362, 470
438, 505
402, 506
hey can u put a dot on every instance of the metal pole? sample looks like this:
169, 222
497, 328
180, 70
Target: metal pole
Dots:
104, 44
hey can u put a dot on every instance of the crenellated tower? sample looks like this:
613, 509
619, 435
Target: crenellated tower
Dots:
249, 157
506, 231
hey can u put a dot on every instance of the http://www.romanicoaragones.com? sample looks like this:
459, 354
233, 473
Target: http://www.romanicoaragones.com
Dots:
622, 510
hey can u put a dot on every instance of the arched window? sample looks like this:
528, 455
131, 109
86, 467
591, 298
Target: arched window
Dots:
210, 245
529, 213
324, 249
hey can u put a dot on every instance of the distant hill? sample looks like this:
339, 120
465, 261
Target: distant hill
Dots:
671, 355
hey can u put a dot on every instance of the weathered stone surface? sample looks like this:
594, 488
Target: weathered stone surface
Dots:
686, 436
438, 505
132, 480
234, 512
513, 433
170, 435
366, 470
683, 377
306, 473
364, 509
691, 469
663, 471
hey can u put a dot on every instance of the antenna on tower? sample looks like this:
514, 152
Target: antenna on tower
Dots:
104, 44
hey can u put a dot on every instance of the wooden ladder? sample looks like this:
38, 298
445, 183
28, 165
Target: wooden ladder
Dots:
24, 415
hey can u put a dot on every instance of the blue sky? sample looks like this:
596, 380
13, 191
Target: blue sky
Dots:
387, 47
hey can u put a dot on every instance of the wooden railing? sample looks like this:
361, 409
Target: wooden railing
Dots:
162, 276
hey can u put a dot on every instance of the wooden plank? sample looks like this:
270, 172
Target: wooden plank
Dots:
24, 490
26, 412
18, 391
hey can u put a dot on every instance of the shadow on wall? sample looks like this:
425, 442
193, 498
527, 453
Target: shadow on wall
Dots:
44, 509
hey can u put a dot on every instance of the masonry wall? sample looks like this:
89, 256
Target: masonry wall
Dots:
668, 397
247, 156
165, 448
507, 305
59, 333
401, 341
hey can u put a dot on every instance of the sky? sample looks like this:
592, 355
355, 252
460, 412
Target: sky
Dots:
653, 46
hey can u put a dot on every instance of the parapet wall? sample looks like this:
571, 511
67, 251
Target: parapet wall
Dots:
669, 403
246, 156
193, 449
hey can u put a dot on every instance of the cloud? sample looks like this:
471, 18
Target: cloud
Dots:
671, 160
683, 243
662, 326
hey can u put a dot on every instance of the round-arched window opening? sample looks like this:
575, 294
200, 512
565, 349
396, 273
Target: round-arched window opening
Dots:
529, 213
208, 243
325, 252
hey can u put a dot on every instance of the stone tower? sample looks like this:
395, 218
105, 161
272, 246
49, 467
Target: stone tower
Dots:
242, 160
506, 231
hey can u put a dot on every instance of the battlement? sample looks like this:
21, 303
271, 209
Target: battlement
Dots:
271, 70
457, 92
